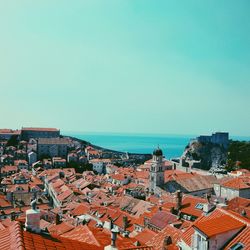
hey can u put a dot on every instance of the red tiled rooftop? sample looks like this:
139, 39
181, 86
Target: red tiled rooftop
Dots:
243, 237
13, 237
4, 202
80, 210
162, 218
10, 237
217, 222
145, 236
41, 242
82, 234
60, 228
40, 129
159, 241
189, 205
241, 182
215, 226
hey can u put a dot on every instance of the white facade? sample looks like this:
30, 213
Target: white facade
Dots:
230, 193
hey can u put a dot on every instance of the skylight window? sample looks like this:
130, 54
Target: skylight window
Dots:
237, 246
199, 206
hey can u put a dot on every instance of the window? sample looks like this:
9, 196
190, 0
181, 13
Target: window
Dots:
199, 206
237, 246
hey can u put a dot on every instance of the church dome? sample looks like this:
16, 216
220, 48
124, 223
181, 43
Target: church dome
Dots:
158, 152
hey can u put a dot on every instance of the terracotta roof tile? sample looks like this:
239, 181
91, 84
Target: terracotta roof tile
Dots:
243, 237
162, 218
83, 234
218, 225
145, 236
158, 241
10, 237
189, 205
241, 182
60, 228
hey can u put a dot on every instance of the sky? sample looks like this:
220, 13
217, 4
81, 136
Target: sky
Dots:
130, 66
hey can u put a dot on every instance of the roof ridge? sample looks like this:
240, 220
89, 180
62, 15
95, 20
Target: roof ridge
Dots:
15, 236
234, 216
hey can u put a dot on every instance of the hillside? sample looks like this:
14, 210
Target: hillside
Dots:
239, 154
210, 155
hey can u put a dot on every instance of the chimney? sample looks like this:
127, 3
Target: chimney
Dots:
208, 197
33, 218
58, 219
125, 222
114, 233
178, 197
12, 216
208, 207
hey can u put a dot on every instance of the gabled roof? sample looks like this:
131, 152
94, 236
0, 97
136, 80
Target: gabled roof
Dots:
60, 228
82, 233
197, 182
158, 241
189, 205
145, 236
239, 205
241, 182
11, 237
218, 225
162, 218
217, 222
80, 209
243, 238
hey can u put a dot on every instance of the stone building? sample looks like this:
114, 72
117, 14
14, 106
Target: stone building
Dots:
156, 172
220, 138
28, 133
52, 147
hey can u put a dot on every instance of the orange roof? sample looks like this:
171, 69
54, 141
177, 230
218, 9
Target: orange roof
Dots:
14, 238
80, 209
158, 241
145, 236
187, 235
83, 234
142, 174
10, 237
4, 202
162, 218
241, 182
188, 205
119, 177
239, 205
243, 237
218, 225
40, 129
6, 131
2, 226
218, 222
138, 248
60, 228
8, 168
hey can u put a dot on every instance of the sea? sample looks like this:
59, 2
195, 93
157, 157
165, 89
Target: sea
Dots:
171, 145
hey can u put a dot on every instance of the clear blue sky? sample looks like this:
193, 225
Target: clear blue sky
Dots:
146, 66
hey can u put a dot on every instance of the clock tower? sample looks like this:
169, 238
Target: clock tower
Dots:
156, 173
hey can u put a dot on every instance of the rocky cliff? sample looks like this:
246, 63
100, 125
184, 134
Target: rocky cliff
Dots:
207, 155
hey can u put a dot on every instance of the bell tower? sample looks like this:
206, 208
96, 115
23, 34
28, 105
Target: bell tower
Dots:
156, 173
